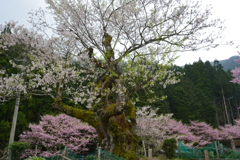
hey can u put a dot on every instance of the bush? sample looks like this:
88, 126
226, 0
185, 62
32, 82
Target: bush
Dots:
36, 158
17, 149
169, 147
195, 144
53, 133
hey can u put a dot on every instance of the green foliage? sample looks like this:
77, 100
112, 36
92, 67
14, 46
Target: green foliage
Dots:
36, 158
17, 149
195, 144
30, 111
91, 158
36, 106
130, 155
169, 147
4, 134
22, 123
199, 94
187, 102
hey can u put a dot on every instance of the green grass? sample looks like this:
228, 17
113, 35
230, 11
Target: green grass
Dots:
161, 157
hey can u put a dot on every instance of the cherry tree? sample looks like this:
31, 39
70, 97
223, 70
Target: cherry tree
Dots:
53, 133
178, 130
229, 131
236, 73
151, 128
205, 132
101, 52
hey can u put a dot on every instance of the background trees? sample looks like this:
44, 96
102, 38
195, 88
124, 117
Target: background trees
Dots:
201, 92
188, 102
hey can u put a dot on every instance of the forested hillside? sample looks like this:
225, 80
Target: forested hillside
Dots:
205, 94
229, 64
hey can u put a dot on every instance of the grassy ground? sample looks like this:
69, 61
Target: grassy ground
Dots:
161, 157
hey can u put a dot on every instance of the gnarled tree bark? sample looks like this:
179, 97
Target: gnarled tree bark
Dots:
115, 128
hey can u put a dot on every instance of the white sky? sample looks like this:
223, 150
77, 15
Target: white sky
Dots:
227, 10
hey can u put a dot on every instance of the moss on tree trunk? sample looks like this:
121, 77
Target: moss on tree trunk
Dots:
115, 130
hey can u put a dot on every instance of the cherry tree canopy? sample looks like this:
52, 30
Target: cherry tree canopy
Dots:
236, 73
153, 129
53, 133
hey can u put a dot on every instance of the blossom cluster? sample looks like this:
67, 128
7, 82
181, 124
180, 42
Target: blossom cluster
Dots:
153, 129
53, 133
45, 69
236, 73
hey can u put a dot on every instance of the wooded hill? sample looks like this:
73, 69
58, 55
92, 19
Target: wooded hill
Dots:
205, 93
229, 64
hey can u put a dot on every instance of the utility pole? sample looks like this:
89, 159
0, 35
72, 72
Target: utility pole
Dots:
14, 123
15, 114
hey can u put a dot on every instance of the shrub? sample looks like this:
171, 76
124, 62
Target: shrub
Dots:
56, 132
17, 149
169, 147
35, 158
195, 144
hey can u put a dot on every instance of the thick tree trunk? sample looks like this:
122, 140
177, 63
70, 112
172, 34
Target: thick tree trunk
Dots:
120, 139
115, 130
114, 120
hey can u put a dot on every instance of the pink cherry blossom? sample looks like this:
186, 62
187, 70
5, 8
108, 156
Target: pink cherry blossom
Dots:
56, 132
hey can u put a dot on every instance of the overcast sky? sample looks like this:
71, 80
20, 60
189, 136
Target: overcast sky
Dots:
227, 10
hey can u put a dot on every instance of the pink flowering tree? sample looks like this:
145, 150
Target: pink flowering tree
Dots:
101, 52
236, 73
205, 132
230, 131
53, 133
178, 130
153, 129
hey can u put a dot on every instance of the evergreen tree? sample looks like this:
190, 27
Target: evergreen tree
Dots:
203, 93
189, 103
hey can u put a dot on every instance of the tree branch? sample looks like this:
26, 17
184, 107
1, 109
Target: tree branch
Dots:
84, 115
